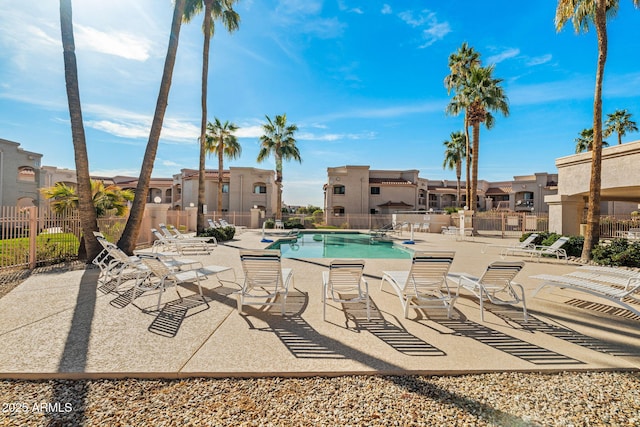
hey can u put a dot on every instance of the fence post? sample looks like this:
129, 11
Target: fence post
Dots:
33, 233
502, 225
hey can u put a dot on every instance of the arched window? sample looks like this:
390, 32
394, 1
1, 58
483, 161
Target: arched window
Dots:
260, 188
26, 173
338, 210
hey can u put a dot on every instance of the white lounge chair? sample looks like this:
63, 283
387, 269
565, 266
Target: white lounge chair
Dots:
183, 246
213, 224
157, 276
264, 279
278, 224
538, 251
495, 285
425, 284
527, 243
344, 283
596, 288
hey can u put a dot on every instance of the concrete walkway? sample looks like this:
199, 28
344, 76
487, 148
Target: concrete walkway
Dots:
60, 324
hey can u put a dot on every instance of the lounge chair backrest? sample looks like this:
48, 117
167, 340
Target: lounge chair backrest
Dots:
212, 223
262, 269
558, 243
157, 268
501, 273
345, 275
165, 231
158, 235
429, 268
529, 240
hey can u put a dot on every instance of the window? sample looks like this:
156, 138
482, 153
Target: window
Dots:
373, 211
375, 190
26, 173
260, 189
338, 189
338, 211
225, 188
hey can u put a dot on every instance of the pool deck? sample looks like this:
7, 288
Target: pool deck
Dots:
60, 324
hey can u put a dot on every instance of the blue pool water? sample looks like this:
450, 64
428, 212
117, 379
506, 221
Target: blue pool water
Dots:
339, 245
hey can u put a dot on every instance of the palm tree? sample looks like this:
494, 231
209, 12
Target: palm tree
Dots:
131, 231
480, 94
455, 151
213, 9
582, 13
105, 200
619, 122
460, 62
221, 140
278, 140
89, 247
585, 141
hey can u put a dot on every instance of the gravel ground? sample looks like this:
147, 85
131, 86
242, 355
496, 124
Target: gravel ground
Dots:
501, 399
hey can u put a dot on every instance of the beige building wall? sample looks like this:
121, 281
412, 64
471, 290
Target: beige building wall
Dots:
19, 175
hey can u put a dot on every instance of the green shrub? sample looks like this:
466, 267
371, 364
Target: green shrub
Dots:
269, 223
292, 223
617, 253
573, 246
451, 210
221, 234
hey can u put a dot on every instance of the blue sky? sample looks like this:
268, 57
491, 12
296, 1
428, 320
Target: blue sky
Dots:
362, 79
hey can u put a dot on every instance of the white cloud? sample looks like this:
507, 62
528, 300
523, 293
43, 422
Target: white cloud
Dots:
539, 60
386, 9
251, 131
433, 30
127, 124
116, 43
308, 136
507, 54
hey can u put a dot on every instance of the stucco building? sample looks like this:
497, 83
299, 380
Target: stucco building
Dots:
360, 190
20, 177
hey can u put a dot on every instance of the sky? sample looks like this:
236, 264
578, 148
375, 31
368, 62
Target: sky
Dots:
362, 80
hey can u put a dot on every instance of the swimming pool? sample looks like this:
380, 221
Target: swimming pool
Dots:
339, 245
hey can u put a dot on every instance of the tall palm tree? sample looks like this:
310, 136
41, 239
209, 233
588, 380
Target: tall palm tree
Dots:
278, 140
619, 122
105, 200
582, 13
213, 10
585, 141
88, 220
221, 140
460, 62
479, 95
455, 151
131, 231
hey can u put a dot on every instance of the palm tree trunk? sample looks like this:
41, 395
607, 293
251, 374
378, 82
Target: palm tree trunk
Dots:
592, 233
468, 158
89, 247
131, 231
474, 156
220, 169
458, 174
278, 213
203, 122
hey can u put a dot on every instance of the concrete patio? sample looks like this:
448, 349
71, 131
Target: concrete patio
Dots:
59, 324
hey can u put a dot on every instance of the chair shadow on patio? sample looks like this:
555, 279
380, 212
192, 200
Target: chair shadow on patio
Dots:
535, 324
460, 325
392, 334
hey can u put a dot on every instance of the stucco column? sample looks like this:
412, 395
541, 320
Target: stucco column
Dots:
157, 213
255, 218
192, 218
565, 214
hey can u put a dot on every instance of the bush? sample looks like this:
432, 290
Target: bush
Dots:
221, 234
573, 246
269, 223
617, 253
292, 223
